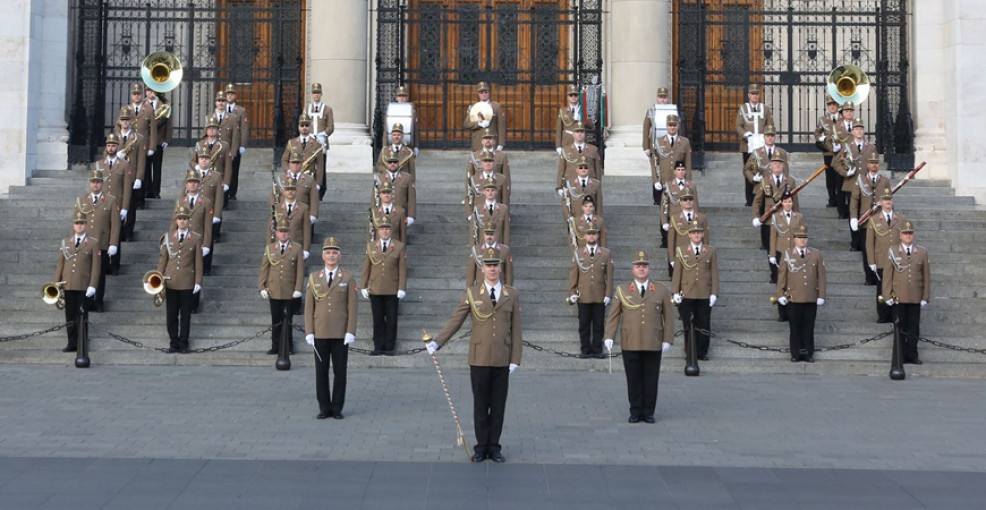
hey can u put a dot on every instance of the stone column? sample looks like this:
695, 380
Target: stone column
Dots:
638, 33
338, 57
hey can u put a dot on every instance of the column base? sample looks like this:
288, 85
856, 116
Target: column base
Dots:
624, 155
350, 149
930, 146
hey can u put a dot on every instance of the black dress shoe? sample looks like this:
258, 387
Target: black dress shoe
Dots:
795, 359
773, 280
649, 419
184, 350
338, 415
322, 416
703, 357
375, 353
883, 321
171, 350
600, 355
915, 361
97, 308
585, 355
497, 457
70, 348
195, 311
272, 351
809, 359
634, 419
664, 244
780, 319
478, 456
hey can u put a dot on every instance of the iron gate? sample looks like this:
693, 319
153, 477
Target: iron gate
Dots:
789, 47
256, 44
528, 51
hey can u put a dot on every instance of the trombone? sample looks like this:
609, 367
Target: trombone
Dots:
53, 294
153, 282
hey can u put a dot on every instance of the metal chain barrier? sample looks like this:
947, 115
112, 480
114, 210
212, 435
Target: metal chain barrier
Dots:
34, 334
573, 355
407, 352
951, 347
214, 348
767, 348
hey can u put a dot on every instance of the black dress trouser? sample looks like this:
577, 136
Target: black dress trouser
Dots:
699, 312
908, 317
801, 317
643, 370
178, 306
384, 308
591, 324
76, 305
489, 393
330, 351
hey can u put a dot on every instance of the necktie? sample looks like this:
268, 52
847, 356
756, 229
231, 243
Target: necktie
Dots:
493, 295
386, 211
181, 238
191, 203
583, 184
491, 209
331, 275
79, 240
802, 253
908, 249
681, 184
95, 199
689, 217
672, 141
860, 146
580, 149
777, 181
888, 218
221, 118
384, 250
874, 180
210, 146
696, 251
111, 164
592, 252
282, 249
230, 109
789, 217
770, 153
124, 140
290, 208
304, 142
642, 292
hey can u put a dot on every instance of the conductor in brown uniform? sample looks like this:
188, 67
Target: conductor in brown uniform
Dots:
79, 265
907, 288
180, 262
282, 274
801, 289
495, 346
642, 313
330, 327
590, 286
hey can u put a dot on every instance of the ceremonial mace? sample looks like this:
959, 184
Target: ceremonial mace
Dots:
461, 440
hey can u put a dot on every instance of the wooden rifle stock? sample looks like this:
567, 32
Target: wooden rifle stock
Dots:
899, 185
777, 205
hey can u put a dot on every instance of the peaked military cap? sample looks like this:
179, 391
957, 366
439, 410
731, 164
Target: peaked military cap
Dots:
330, 243
491, 257
802, 231
641, 259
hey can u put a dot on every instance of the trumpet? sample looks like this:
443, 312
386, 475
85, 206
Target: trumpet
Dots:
154, 285
774, 299
52, 294
882, 300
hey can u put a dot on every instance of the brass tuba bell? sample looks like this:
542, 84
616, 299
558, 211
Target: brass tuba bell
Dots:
52, 294
161, 71
154, 285
848, 83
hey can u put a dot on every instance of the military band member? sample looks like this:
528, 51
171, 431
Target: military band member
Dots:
583, 185
383, 282
851, 162
824, 135
220, 156
786, 222
501, 164
330, 327
143, 118
118, 179
474, 268
843, 133
310, 150
695, 286
405, 154
475, 182
568, 116
907, 288
681, 224
801, 290
496, 124
227, 134
211, 187
590, 285
201, 215
671, 198
402, 97
589, 216
282, 274
574, 155
323, 125
180, 262
133, 148
102, 212
667, 152
663, 98
495, 346
645, 320
79, 268
240, 137
751, 121
864, 195
757, 168
402, 184
491, 211
769, 192
296, 214
162, 116
306, 189
882, 232
388, 209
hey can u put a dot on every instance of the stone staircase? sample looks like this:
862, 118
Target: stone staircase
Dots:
35, 216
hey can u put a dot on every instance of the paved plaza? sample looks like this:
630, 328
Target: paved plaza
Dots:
246, 437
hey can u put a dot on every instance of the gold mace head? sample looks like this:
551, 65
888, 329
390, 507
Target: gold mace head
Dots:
426, 337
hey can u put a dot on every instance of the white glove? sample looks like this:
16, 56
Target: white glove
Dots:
676, 298
431, 346
225, 187
318, 187
205, 251
365, 293
854, 224
296, 294
851, 172
665, 347
820, 301
348, 339
401, 294
606, 301
242, 150
150, 152
757, 223
672, 263
310, 338
923, 302
757, 177
197, 289
306, 254
647, 152
836, 147
573, 298
91, 291
821, 138
164, 145
264, 294
499, 148
747, 134
773, 261
311, 219
321, 138
559, 150
712, 300
782, 300
112, 250
484, 123
561, 193
123, 215
415, 152
657, 186
137, 183
889, 302
609, 344
215, 220
666, 227
873, 267
410, 221
513, 366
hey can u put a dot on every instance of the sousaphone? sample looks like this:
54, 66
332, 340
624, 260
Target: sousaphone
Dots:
161, 71
848, 83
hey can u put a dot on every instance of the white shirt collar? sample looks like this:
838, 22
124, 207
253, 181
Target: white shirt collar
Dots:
645, 284
488, 204
699, 246
496, 287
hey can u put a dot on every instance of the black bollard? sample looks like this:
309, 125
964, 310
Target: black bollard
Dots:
82, 342
284, 350
897, 359
691, 362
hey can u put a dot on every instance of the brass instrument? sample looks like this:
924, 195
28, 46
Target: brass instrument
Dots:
153, 282
308, 161
163, 111
882, 300
773, 299
480, 111
53, 294
161, 71
848, 83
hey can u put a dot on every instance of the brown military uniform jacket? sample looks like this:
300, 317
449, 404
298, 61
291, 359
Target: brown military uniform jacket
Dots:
496, 339
308, 150
568, 163
404, 191
222, 157
212, 188
118, 179
306, 192
759, 163
384, 273
282, 274
666, 156
200, 218
474, 271
398, 222
567, 117
78, 267
596, 282
181, 261
501, 164
745, 121
593, 188
164, 124
228, 132
241, 128
145, 123
405, 159
498, 125
134, 149
907, 278
855, 161
769, 193
864, 194
330, 312
826, 127
322, 120
502, 189
782, 231
104, 218
671, 198
580, 226
298, 221
696, 277
644, 322
880, 236
678, 231
802, 280
500, 219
